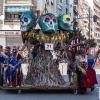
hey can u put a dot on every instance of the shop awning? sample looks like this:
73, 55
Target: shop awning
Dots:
17, 9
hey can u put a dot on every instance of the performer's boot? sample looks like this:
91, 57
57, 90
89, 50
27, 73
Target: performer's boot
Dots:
92, 88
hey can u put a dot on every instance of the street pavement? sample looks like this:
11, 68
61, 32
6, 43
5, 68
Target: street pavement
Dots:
51, 94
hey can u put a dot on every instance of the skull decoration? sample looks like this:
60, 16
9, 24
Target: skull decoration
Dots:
27, 21
48, 23
64, 22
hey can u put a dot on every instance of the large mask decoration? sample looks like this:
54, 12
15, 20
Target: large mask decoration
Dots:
27, 21
64, 22
48, 23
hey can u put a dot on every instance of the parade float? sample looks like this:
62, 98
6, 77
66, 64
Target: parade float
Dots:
50, 38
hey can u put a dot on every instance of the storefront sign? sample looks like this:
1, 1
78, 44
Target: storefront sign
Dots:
10, 33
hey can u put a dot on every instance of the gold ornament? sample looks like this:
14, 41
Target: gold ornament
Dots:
42, 37
47, 38
60, 37
33, 35
63, 36
37, 37
52, 38
26, 34
29, 34
56, 38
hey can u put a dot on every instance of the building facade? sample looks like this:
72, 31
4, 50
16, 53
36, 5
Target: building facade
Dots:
96, 9
77, 9
65, 7
12, 9
10, 20
85, 19
78, 22
81, 13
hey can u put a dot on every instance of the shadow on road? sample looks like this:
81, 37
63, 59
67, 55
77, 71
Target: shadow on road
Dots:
40, 91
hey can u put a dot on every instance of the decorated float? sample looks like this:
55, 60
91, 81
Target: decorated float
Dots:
47, 45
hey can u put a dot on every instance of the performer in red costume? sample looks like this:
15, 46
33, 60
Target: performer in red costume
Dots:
86, 76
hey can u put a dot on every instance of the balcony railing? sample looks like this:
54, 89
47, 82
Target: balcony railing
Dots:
17, 1
96, 2
98, 20
12, 22
97, 36
86, 2
86, 20
75, 1
75, 7
85, 11
95, 24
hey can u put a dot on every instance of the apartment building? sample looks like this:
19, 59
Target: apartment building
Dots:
96, 9
85, 18
78, 13
81, 11
12, 9
65, 7
91, 24
10, 20
10, 17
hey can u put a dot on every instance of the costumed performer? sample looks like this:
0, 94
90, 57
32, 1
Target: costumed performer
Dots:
15, 68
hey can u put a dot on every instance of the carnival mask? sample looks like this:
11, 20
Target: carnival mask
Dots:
48, 23
64, 22
27, 21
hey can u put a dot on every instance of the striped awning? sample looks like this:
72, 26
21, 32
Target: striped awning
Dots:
17, 8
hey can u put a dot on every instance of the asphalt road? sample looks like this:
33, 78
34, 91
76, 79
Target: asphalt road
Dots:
51, 95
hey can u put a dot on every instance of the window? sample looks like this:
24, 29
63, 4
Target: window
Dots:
52, 2
66, 11
16, 16
12, 16
61, 1
19, 16
70, 14
48, 2
66, 1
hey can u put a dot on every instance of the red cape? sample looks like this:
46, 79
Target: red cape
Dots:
90, 78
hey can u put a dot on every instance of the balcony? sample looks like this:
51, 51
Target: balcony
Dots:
97, 36
85, 11
97, 31
96, 9
95, 25
86, 28
98, 20
76, 2
85, 24
96, 3
75, 19
75, 7
86, 3
18, 1
86, 20
12, 22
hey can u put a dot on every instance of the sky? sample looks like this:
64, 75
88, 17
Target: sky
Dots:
90, 3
